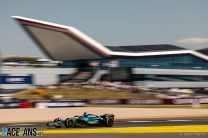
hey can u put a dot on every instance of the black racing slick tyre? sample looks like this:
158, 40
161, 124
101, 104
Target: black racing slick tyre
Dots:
69, 123
109, 122
48, 124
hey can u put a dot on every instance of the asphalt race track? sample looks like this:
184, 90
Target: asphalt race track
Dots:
158, 128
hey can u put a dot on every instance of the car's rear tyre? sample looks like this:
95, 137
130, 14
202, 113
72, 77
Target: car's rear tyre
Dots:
69, 123
109, 122
57, 125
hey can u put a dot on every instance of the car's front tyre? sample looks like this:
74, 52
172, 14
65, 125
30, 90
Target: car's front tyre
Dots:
58, 125
48, 124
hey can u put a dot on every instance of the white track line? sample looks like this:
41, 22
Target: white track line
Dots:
22, 125
133, 121
179, 120
140, 121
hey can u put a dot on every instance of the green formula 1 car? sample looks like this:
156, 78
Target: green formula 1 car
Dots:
84, 120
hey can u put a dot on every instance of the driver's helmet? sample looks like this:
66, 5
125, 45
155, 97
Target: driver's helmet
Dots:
85, 114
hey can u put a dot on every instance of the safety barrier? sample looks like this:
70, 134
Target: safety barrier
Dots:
43, 104
82, 103
178, 101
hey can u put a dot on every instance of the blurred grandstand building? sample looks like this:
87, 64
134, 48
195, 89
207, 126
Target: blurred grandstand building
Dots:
26, 72
84, 59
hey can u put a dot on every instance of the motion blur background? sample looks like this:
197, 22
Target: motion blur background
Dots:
172, 36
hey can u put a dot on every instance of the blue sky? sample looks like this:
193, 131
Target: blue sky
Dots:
110, 22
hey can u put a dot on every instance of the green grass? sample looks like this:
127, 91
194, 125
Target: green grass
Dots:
84, 93
90, 93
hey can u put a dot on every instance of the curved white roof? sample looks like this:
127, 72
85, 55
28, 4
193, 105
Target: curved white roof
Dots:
61, 42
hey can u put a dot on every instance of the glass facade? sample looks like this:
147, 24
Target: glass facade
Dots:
169, 62
184, 61
177, 78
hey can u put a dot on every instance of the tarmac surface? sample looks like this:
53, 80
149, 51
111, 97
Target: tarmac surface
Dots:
125, 128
